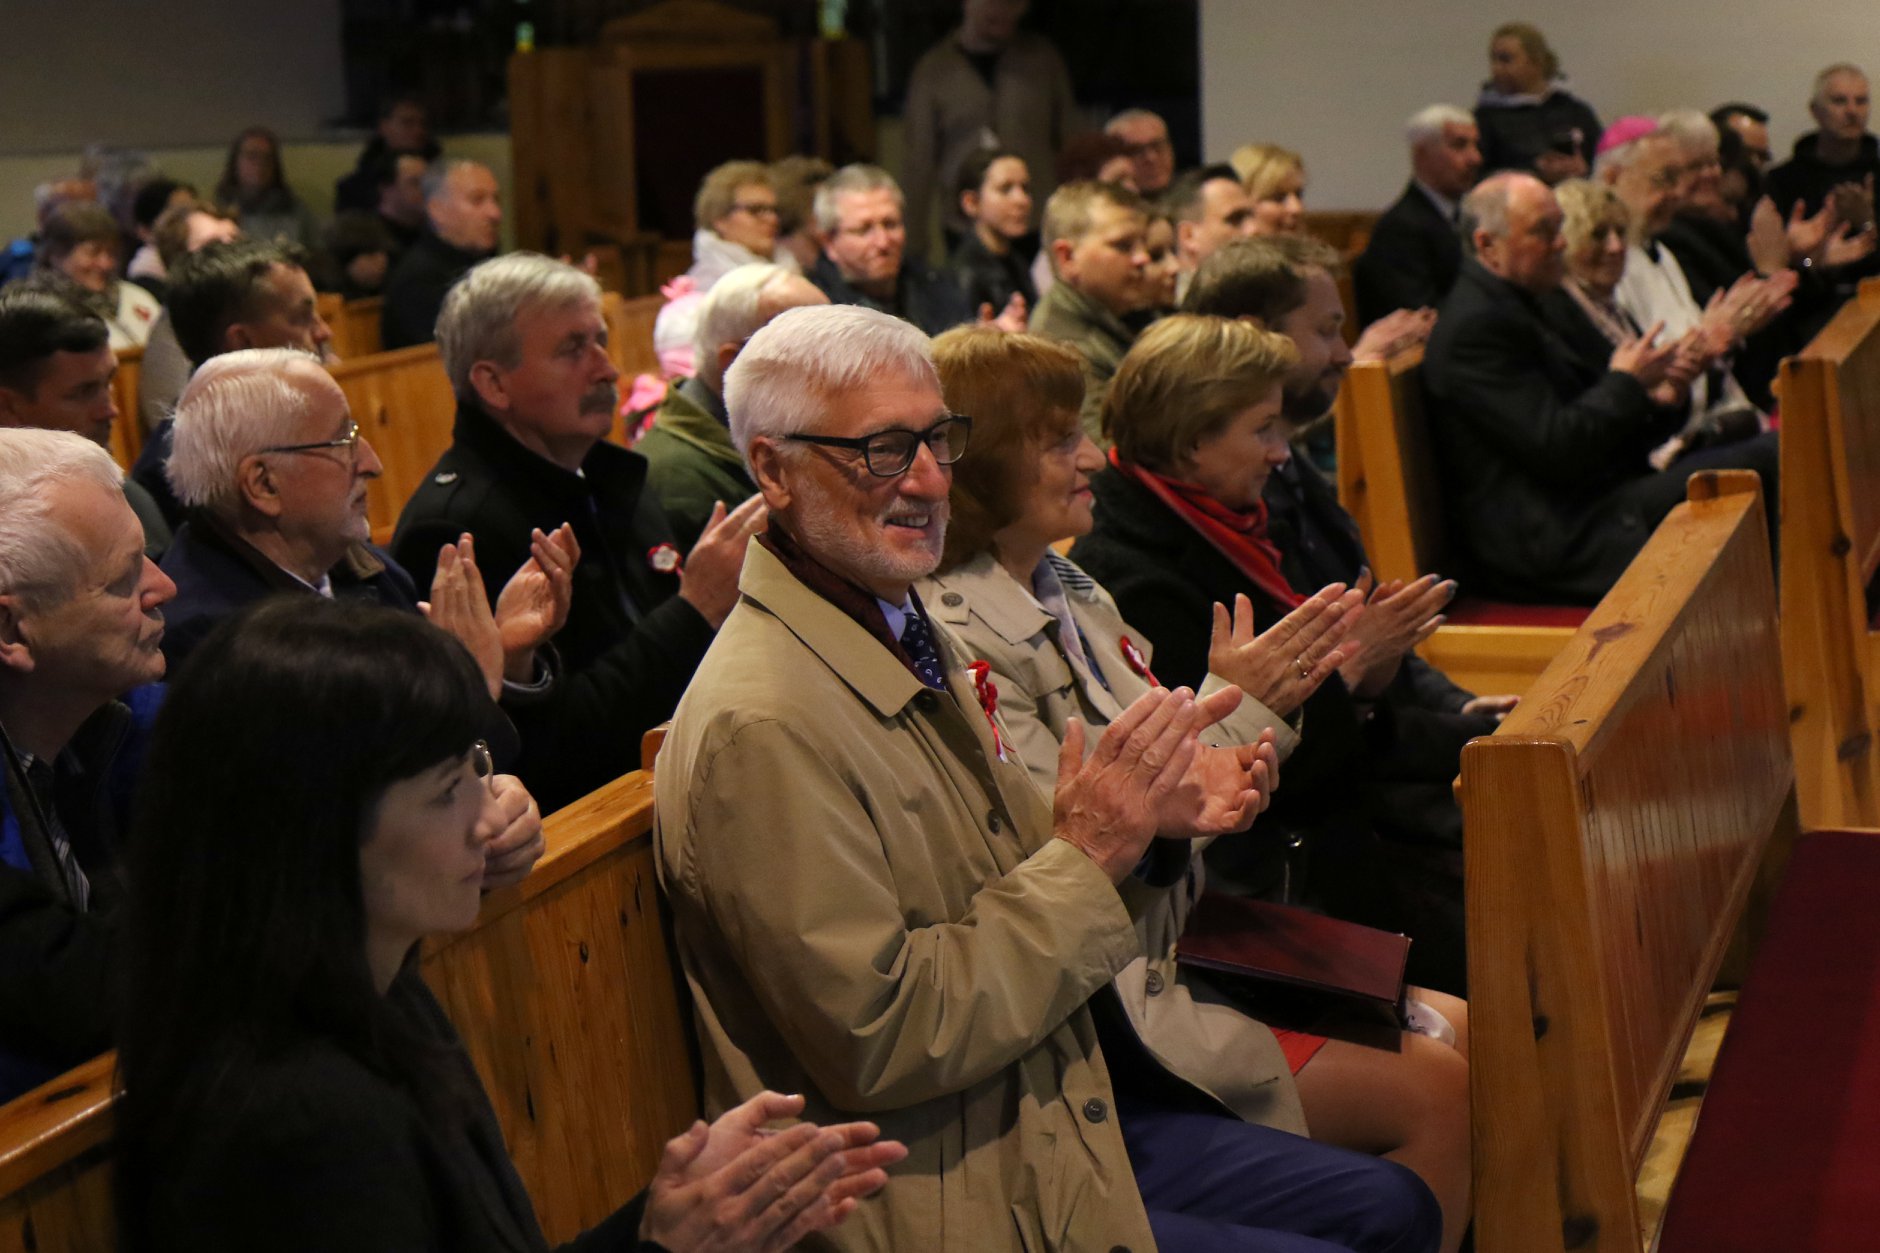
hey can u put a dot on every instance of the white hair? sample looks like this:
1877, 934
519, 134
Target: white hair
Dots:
732, 312
236, 405
1426, 124
1118, 122
1621, 156
791, 369
478, 320
852, 180
40, 561
1691, 128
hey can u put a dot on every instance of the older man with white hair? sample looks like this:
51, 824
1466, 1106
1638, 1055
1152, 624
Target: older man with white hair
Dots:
525, 347
691, 463
876, 907
1415, 250
81, 625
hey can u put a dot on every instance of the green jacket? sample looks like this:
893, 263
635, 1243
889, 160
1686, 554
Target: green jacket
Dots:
691, 462
1099, 337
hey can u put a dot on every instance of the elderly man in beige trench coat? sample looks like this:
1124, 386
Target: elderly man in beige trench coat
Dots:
874, 905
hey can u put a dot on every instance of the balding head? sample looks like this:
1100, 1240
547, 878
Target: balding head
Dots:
1512, 223
1840, 102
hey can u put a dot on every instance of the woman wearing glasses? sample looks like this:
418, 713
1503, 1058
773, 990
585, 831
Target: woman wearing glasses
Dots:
316, 804
735, 217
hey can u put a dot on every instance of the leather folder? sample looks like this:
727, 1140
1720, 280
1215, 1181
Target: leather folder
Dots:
1290, 947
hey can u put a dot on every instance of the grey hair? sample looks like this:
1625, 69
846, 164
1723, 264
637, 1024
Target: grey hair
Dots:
1691, 128
1621, 156
852, 179
1833, 71
1127, 116
1486, 209
40, 561
729, 312
1426, 124
791, 369
236, 405
478, 320
437, 177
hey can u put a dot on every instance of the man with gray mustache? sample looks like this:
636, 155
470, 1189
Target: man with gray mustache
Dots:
524, 343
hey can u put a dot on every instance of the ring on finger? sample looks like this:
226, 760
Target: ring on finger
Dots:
1305, 671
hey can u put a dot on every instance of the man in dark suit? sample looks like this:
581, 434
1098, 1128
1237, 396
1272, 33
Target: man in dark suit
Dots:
525, 346
1544, 448
463, 206
1415, 251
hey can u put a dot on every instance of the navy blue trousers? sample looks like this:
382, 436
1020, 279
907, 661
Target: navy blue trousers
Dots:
1214, 1184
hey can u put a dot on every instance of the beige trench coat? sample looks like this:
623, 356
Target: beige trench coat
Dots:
1182, 1020
869, 910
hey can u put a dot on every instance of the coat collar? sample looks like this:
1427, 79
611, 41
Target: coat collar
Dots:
360, 563
1072, 305
685, 415
841, 642
984, 587
607, 468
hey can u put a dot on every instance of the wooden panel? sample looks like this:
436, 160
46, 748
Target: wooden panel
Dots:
630, 332
356, 328
127, 432
1615, 823
1830, 540
404, 407
565, 995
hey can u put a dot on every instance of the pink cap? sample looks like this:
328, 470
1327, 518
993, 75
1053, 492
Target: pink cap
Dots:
1624, 130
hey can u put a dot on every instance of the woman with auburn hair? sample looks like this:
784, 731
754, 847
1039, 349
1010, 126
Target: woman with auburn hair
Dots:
315, 803
1055, 647
1181, 524
1275, 179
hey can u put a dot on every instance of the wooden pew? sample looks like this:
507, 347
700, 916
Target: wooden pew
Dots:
630, 333
564, 995
404, 406
127, 433
1830, 554
356, 328
1615, 824
1387, 481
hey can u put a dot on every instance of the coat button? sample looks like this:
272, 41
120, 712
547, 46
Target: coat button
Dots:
1154, 982
952, 600
993, 823
1095, 1110
926, 702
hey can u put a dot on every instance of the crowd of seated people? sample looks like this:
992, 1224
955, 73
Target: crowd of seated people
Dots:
938, 800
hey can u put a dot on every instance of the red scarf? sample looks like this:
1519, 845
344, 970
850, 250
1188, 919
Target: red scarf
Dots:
1239, 536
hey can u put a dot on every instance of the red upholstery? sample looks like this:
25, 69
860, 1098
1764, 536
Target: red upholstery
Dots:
1786, 1154
1472, 611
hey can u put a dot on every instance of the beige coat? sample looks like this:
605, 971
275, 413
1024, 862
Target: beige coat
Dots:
1184, 1022
869, 910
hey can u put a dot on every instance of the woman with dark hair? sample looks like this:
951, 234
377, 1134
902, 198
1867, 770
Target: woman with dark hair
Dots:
1181, 524
992, 262
1055, 647
254, 188
78, 258
314, 804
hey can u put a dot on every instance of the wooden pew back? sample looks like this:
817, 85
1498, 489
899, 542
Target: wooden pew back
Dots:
564, 995
630, 332
1386, 469
355, 327
1830, 552
404, 407
127, 433
1615, 823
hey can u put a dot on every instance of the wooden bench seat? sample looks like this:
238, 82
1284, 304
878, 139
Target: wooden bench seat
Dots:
564, 995
1387, 481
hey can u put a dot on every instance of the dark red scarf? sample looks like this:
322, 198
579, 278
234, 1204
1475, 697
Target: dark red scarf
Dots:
1238, 535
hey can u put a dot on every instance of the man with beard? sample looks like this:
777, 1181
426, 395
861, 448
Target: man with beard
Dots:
525, 347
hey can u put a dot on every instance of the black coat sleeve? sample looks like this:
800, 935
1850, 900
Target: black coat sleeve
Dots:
1399, 269
56, 981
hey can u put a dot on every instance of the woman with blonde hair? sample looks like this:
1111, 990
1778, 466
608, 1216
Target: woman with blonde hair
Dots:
1528, 119
1275, 179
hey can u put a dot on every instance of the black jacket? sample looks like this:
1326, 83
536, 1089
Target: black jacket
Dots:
1516, 131
630, 644
1411, 261
218, 574
1809, 179
1714, 255
985, 278
321, 1152
1166, 579
921, 296
1532, 433
415, 290
359, 188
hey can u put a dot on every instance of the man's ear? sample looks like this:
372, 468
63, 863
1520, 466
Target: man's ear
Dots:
1061, 250
13, 408
236, 336
16, 653
1184, 237
487, 379
767, 461
727, 353
255, 482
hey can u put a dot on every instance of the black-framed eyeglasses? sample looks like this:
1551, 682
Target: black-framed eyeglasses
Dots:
349, 441
888, 454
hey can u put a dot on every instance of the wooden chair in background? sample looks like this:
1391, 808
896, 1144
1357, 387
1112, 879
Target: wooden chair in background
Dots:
127, 432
